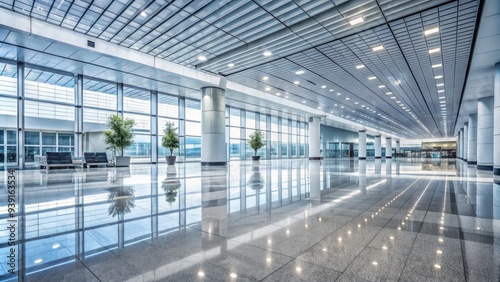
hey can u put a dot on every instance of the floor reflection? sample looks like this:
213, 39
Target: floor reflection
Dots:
78, 222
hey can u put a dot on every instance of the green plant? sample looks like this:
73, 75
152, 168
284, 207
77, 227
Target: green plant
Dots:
119, 136
171, 139
256, 141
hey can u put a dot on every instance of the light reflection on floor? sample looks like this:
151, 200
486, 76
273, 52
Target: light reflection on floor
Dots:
394, 219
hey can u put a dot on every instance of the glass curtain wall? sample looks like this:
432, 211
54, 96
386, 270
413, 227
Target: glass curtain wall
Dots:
8, 114
51, 109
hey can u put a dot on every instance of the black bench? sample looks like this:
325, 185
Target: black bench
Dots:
95, 159
60, 159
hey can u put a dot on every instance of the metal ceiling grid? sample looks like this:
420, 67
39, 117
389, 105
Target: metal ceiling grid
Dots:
456, 23
136, 93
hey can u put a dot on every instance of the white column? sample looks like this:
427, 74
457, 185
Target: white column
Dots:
472, 140
388, 147
485, 133
397, 148
458, 145
462, 143
21, 160
362, 145
378, 147
213, 126
78, 135
314, 140
496, 122
466, 143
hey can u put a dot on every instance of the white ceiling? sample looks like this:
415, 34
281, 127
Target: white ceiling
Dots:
314, 36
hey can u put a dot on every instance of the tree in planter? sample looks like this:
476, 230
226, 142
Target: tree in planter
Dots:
170, 141
120, 135
256, 142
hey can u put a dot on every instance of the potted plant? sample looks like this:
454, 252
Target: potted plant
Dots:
256, 142
170, 141
118, 137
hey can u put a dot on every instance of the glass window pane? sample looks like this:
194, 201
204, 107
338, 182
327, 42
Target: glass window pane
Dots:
168, 106
193, 111
11, 154
44, 85
235, 132
99, 94
142, 123
193, 128
234, 117
136, 100
8, 79
66, 139
30, 152
250, 120
163, 121
49, 139
274, 124
31, 138
11, 137
2, 136
193, 147
50, 111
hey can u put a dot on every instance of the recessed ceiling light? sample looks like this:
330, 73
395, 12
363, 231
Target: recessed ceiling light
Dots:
278, 94
286, 97
378, 48
303, 102
360, 66
431, 31
338, 93
441, 91
440, 84
435, 50
347, 98
144, 14
372, 78
296, 82
442, 97
393, 97
323, 86
438, 77
38, 260
268, 88
265, 78
381, 86
331, 90
389, 93
230, 65
202, 58
267, 53
299, 72
356, 103
442, 102
437, 66
356, 21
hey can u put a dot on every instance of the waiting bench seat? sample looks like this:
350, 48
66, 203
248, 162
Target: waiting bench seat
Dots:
60, 159
96, 159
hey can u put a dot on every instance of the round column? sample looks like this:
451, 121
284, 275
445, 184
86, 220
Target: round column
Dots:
388, 147
472, 140
466, 143
397, 148
314, 140
485, 133
378, 147
362, 145
496, 123
213, 126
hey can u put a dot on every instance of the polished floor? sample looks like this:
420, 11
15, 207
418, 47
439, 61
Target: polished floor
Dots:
283, 220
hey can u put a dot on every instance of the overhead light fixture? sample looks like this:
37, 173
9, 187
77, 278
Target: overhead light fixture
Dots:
431, 31
230, 65
372, 78
437, 66
267, 53
435, 50
360, 66
303, 102
440, 84
286, 97
299, 72
323, 86
338, 94
438, 76
265, 78
381, 86
389, 93
278, 94
442, 97
296, 82
356, 21
331, 90
202, 58
144, 14
378, 48
347, 98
